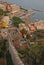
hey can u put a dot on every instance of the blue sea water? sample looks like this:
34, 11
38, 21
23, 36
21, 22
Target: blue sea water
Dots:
27, 4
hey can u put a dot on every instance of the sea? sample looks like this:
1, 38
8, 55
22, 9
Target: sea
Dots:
34, 4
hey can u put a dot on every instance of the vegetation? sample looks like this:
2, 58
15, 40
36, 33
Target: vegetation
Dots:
24, 54
28, 36
1, 11
6, 13
4, 52
38, 35
3, 47
17, 21
33, 55
9, 60
36, 54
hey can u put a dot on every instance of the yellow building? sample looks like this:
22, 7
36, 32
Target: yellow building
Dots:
4, 24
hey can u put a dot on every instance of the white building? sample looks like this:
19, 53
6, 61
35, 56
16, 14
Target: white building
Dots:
15, 8
2, 7
32, 27
40, 24
22, 26
6, 19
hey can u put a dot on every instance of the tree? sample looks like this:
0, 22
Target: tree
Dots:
28, 36
1, 11
24, 55
4, 47
17, 21
33, 55
3, 51
36, 54
37, 35
6, 13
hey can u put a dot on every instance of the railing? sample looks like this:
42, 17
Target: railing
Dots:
15, 58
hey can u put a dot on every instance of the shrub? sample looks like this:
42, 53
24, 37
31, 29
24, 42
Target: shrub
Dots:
17, 21
36, 54
1, 11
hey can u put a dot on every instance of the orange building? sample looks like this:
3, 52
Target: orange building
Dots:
20, 34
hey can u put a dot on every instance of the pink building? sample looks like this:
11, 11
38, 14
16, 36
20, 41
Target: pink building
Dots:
8, 7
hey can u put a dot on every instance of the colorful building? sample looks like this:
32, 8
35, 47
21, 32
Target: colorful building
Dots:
4, 22
8, 7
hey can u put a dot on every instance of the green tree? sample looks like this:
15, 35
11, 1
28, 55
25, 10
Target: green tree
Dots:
28, 36
33, 55
17, 21
37, 35
24, 54
36, 54
1, 11
6, 13
3, 47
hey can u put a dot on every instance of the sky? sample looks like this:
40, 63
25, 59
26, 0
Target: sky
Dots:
39, 4
27, 4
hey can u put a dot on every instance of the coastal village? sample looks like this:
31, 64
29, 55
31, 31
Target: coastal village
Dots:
21, 40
